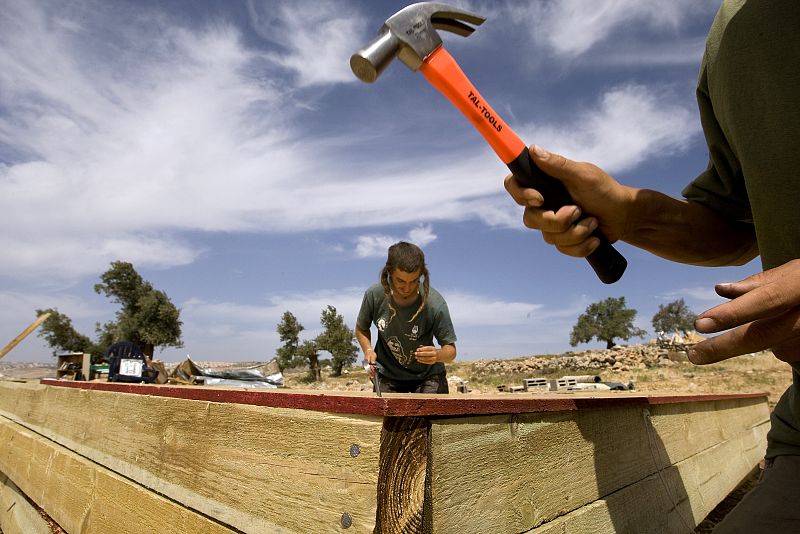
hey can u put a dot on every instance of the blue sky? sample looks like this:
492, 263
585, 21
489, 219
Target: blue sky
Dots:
227, 151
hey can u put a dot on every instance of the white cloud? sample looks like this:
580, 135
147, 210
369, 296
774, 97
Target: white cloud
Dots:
630, 124
570, 28
376, 245
318, 37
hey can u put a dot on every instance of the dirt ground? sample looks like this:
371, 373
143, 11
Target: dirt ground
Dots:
746, 374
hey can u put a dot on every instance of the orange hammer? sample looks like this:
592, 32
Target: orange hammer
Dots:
410, 34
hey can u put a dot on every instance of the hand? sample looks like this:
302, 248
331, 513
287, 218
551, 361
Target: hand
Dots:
764, 313
370, 356
427, 355
570, 228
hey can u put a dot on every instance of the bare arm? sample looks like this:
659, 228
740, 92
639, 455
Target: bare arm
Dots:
678, 230
430, 354
364, 338
687, 232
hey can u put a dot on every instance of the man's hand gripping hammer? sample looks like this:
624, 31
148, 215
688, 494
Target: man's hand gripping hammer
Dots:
375, 373
410, 34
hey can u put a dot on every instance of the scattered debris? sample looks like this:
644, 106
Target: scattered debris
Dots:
267, 375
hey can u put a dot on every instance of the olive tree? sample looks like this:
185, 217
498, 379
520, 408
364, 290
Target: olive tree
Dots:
338, 339
675, 316
606, 321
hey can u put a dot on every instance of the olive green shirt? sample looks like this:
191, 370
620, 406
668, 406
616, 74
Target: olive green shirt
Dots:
400, 333
749, 98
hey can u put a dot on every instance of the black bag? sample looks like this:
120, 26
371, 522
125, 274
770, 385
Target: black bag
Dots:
126, 363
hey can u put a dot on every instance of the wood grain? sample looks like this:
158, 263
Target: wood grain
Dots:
17, 514
256, 469
83, 497
513, 473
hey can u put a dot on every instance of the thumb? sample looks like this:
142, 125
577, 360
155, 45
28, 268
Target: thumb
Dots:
554, 164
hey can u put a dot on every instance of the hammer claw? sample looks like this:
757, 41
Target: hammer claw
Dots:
452, 26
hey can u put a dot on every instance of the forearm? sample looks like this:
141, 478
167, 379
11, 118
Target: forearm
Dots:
364, 339
687, 232
447, 353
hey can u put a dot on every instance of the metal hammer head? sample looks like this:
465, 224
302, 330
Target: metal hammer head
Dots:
411, 35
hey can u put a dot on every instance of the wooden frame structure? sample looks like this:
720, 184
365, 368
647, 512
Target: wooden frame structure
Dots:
109, 457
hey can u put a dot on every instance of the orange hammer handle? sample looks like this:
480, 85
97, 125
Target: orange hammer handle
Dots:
442, 71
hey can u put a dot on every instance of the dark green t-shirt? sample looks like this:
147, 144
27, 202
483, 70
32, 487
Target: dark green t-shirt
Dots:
398, 336
749, 98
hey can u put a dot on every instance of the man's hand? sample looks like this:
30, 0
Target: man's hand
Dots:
764, 313
603, 201
427, 355
370, 356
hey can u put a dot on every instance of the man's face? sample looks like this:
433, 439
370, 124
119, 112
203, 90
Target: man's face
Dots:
405, 284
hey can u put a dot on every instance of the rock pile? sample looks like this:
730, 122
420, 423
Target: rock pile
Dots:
620, 358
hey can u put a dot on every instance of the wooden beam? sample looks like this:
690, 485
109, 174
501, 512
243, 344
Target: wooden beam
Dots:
17, 514
31, 327
655, 505
300, 461
401, 404
402, 475
514, 473
253, 468
83, 497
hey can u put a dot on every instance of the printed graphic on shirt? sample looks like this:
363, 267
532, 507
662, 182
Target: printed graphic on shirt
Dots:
397, 351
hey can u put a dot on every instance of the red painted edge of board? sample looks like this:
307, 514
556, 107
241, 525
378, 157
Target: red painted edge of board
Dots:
399, 405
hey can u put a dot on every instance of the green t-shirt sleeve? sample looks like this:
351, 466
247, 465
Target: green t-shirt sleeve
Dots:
366, 313
443, 329
721, 187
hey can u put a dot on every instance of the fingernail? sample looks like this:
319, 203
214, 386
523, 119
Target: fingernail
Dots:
540, 152
576, 214
536, 201
705, 324
693, 356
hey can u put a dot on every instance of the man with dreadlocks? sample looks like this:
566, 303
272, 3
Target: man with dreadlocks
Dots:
407, 321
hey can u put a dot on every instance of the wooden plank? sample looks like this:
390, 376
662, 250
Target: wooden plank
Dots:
671, 501
31, 327
219, 458
552, 463
83, 497
402, 404
17, 514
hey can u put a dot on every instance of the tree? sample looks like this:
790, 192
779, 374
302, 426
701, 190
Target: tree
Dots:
147, 317
58, 332
307, 351
288, 355
337, 339
675, 316
605, 320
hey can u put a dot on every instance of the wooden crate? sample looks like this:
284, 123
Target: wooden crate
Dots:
193, 459
81, 360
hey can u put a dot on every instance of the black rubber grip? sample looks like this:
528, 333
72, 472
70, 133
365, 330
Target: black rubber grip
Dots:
605, 260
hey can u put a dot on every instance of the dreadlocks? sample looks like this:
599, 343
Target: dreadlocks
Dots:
408, 258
